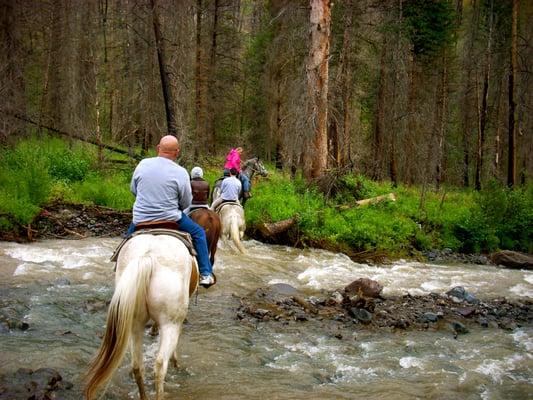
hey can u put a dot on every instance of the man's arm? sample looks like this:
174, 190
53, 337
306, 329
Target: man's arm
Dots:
184, 191
134, 181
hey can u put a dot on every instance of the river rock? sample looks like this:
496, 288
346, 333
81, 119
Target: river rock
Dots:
459, 328
513, 259
283, 289
365, 288
26, 384
361, 314
429, 317
466, 311
428, 312
461, 294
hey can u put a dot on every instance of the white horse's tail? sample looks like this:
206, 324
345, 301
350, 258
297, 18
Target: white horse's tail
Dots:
235, 233
129, 296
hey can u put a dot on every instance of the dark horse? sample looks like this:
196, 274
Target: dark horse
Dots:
253, 166
210, 221
250, 168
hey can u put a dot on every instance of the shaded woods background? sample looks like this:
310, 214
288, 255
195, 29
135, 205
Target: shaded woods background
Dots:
408, 90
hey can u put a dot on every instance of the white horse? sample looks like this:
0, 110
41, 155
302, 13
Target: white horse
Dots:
154, 279
233, 223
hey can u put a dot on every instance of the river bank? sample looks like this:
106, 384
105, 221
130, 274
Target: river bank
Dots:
345, 312
60, 220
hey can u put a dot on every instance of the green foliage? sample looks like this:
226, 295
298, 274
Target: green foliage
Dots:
254, 100
501, 218
430, 25
419, 220
352, 187
110, 191
277, 199
25, 182
36, 171
69, 166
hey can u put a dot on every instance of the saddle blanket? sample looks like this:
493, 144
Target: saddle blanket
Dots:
183, 236
227, 203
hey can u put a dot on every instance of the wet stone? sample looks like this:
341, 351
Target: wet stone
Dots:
466, 312
458, 327
24, 384
429, 317
361, 314
434, 311
461, 294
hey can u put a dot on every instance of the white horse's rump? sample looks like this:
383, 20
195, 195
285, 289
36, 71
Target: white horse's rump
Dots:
153, 280
233, 223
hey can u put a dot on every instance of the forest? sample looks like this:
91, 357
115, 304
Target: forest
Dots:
426, 92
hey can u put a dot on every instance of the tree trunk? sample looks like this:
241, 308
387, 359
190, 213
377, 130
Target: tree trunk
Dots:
379, 117
346, 88
211, 89
511, 169
163, 66
270, 230
411, 135
317, 88
467, 89
200, 81
483, 111
443, 119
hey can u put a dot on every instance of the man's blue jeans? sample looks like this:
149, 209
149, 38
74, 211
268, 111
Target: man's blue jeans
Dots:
199, 242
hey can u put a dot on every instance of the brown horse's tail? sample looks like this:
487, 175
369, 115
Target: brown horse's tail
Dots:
130, 295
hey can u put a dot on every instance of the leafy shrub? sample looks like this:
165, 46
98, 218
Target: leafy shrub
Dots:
25, 183
506, 216
68, 166
111, 191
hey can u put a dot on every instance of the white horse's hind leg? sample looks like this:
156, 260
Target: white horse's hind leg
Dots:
168, 336
137, 357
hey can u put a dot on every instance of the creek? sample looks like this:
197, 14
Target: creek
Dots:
60, 289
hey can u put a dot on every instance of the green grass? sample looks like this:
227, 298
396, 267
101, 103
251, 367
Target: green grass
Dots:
461, 220
38, 171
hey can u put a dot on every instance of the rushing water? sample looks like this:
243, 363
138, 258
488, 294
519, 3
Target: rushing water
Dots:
59, 284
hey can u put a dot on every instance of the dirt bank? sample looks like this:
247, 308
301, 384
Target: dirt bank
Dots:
61, 220
71, 221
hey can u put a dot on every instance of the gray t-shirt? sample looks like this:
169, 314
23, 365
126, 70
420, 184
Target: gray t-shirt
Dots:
230, 188
162, 188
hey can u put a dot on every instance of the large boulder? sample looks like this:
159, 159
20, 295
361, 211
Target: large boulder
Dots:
512, 259
364, 288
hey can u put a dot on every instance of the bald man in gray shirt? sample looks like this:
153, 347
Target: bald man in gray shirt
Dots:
162, 189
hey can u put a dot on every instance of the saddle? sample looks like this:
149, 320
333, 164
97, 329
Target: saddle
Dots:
227, 203
169, 228
196, 207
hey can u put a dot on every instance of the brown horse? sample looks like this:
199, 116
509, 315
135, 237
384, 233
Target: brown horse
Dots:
210, 221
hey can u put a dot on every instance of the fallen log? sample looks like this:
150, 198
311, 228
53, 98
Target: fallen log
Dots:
272, 229
377, 199
79, 137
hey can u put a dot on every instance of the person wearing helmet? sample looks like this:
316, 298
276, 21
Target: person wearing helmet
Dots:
200, 190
